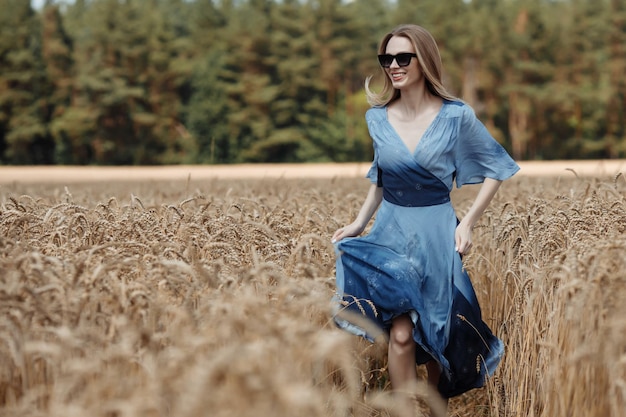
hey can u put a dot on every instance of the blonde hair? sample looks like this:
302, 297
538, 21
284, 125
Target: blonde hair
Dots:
429, 60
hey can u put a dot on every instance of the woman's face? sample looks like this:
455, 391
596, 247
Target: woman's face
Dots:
403, 77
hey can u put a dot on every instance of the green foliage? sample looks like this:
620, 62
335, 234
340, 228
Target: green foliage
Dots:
207, 111
23, 138
203, 81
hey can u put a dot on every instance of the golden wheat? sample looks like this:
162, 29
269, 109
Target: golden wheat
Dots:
149, 299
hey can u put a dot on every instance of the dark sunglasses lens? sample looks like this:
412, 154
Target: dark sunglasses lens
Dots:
403, 59
385, 60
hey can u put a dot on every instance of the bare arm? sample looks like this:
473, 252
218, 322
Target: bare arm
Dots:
371, 203
463, 235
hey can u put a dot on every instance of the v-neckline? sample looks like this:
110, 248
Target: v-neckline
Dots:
430, 125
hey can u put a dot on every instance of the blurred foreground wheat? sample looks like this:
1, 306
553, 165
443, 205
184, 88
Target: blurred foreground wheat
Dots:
158, 300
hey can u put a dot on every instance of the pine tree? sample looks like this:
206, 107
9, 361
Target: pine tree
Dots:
246, 79
59, 64
207, 108
132, 61
207, 111
615, 138
579, 91
337, 43
23, 135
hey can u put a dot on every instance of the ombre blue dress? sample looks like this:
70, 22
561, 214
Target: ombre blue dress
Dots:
407, 263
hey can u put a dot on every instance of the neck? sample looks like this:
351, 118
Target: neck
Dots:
413, 101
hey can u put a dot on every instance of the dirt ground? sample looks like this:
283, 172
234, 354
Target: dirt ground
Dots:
79, 174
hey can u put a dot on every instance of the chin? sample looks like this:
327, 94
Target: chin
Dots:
399, 86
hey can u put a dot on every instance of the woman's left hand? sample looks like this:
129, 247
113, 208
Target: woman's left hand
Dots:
463, 238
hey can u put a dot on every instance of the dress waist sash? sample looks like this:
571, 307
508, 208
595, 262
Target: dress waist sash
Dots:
413, 187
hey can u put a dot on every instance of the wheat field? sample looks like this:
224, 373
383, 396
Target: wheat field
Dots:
212, 298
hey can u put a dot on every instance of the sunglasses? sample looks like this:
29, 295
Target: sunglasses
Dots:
403, 59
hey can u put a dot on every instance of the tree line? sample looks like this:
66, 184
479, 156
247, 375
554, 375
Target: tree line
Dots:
205, 81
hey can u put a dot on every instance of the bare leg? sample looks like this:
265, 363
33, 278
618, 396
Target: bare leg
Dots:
434, 373
402, 372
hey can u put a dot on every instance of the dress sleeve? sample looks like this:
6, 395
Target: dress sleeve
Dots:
478, 155
374, 172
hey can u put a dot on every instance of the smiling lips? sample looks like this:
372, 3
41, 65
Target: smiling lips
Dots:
397, 75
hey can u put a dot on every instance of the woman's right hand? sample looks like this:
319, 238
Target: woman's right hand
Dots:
371, 203
351, 230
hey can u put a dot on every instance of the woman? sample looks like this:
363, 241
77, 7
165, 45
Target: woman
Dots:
406, 275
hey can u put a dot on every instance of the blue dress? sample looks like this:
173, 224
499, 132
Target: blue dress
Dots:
407, 263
